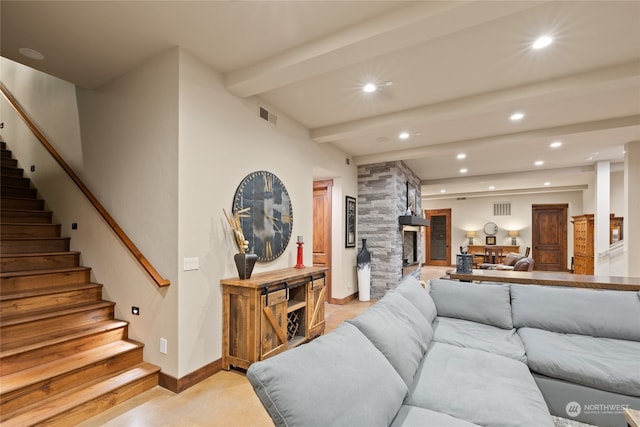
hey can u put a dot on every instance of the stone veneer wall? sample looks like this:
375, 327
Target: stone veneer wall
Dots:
382, 198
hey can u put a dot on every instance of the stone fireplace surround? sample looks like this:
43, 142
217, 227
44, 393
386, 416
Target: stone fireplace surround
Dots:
382, 198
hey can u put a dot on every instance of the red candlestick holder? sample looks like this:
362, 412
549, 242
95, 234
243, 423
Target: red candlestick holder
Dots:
299, 264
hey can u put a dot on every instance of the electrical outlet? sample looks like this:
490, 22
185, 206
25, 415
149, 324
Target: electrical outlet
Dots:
191, 264
33, 168
163, 345
135, 311
74, 225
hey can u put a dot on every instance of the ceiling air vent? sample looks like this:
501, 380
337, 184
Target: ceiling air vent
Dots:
502, 209
267, 115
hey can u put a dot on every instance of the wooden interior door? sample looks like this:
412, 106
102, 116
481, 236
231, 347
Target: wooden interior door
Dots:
549, 237
438, 237
322, 229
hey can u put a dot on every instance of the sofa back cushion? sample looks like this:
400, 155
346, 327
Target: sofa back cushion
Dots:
341, 371
412, 290
485, 303
598, 313
511, 258
398, 330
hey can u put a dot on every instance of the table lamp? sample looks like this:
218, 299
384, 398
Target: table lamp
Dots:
514, 234
471, 235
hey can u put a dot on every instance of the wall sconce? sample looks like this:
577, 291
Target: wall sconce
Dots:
471, 235
514, 234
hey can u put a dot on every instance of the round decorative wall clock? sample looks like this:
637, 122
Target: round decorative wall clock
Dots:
490, 229
267, 216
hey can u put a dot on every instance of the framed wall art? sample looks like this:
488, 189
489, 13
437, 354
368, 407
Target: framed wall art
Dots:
350, 222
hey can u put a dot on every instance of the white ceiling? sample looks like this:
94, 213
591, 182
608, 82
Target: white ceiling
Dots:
458, 70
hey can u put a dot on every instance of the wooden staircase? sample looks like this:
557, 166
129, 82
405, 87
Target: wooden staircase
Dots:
63, 356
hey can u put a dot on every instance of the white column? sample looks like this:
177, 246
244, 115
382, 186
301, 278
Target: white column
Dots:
601, 227
631, 225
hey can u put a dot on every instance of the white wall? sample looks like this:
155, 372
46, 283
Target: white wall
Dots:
616, 201
473, 212
221, 140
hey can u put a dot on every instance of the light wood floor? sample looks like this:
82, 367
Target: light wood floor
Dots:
225, 399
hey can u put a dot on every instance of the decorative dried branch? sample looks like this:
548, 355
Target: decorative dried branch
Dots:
236, 228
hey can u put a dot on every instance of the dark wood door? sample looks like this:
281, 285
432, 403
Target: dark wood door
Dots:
438, 237
322, 229
549, 237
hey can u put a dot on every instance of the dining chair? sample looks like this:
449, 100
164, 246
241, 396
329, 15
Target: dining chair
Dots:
492, 255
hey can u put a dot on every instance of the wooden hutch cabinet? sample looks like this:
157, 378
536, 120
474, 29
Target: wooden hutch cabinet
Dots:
583, 244
270, 313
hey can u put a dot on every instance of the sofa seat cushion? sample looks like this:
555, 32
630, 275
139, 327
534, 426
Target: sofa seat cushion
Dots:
604, 363
463, 333
412, 416
338, 379
478, 387
398, 330
484, 303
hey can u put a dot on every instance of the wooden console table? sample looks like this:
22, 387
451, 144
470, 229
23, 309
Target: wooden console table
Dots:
554, 278
270, 313
478, 251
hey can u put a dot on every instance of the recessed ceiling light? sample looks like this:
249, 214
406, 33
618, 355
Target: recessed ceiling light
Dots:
461, 156
403, 135
369, 87
516, 116
463, 170
31, 53
547, 183
389, 83
443, 191
555, 144
492, 187
539, 162
418, 133
541, 42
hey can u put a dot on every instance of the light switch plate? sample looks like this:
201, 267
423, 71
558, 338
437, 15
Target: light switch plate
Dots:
191, 264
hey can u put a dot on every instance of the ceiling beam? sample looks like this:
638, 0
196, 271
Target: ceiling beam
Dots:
406, 26
443, 148
506, 192
587, 82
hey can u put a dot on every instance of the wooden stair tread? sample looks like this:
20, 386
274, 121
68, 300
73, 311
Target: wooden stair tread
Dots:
34, 238
39, 254
6, 274
13, 319
25, 211
29, 224
7, 296
65, 402
32, 343
39, 373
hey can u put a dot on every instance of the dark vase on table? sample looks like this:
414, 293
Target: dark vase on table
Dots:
245, 263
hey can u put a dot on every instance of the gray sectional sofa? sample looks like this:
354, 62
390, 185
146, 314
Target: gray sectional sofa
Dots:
462, 354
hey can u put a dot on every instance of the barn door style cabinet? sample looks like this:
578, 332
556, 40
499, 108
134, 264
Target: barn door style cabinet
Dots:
270, 313
583, 244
